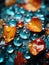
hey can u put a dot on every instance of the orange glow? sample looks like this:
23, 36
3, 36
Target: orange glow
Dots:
10, 2
9, 33
36, 46
20, 24
35, 25
32, 5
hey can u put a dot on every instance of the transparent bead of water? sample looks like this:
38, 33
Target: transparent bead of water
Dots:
40, 15
16, 8
43, 8
12, 22
47, 43
43, 26
48, 37
1, 58
34, 36
18, 16
13, 56
25, 34
43, 37
27, 19
10, 11
23, 49
27, 55
22, 10
20, 1
17, 41
29, 13
10, 49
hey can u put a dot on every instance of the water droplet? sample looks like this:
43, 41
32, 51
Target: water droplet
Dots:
27, 55
10, 49
25, 34
12, 22
17, 41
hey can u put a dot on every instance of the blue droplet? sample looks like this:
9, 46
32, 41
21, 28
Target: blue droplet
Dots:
41, 16
25, 34
18, 16
1, 58
43, 37
21, 10
12, 22
17, 41
34, 36
47, 43
48, 37
27, 55
29, 13
10, 12
11, 59
16, 8
43, 26
23, 49
43, 9
27, 19
20, 1
13, 56
10, 49
43, 6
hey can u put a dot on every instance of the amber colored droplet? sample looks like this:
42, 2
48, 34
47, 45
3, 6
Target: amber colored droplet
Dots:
10, 2
20, 24
20, 60
37, 46
35, 25
47, 55
9, 33
32, 5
